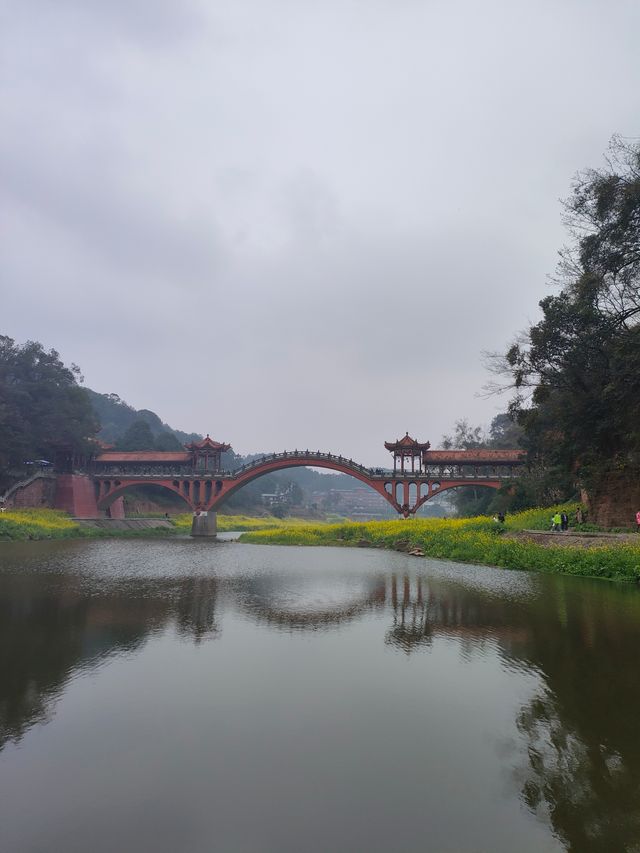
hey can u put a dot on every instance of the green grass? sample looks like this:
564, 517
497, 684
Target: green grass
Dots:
471, 540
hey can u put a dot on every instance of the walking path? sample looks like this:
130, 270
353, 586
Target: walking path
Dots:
571, 539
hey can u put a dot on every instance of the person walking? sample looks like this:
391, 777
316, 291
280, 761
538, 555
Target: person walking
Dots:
556, 521
638, 521
564, 521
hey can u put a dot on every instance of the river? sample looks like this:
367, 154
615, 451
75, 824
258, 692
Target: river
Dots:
190, 696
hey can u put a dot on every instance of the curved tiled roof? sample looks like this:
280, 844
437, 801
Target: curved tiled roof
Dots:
470, 456
407, 443
209, 444
144, 456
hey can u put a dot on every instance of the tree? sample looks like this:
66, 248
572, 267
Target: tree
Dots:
503, 433
576, 373
137, 437
167, 441
465, 437
43, 408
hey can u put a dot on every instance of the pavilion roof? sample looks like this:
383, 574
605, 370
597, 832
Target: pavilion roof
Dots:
407, 444
208, 444
144, 456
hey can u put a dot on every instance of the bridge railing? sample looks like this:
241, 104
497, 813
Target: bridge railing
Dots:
314, 455
441, 472
498, 471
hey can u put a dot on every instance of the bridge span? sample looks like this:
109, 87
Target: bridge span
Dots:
198, 478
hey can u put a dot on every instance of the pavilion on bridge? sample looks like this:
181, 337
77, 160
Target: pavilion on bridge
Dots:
200, 456
404, 450
207, 454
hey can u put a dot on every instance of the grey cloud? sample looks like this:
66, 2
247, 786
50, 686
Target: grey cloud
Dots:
297, 223
144, 21
124, 230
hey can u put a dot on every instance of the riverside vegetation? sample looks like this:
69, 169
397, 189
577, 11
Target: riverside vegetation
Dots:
477, 540
54, 524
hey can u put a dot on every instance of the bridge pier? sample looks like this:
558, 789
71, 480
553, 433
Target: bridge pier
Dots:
205, 524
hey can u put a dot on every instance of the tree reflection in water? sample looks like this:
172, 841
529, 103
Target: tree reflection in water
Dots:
578, 764
588, 790
582, 765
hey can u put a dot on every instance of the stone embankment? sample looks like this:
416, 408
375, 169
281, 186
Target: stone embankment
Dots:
36, 491
124, 523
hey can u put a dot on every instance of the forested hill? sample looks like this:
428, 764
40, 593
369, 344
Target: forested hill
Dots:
116, 417
141, 429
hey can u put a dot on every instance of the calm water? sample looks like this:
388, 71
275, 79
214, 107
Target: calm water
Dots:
190, 696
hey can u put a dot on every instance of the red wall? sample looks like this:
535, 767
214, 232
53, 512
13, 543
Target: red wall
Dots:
75, 494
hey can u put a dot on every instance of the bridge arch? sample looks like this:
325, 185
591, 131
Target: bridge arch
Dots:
110, 490
224, 488
437, 487
264, 607
460, 484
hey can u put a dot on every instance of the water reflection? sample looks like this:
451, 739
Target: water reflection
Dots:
302, 605
582, 766
577, 764
196, 609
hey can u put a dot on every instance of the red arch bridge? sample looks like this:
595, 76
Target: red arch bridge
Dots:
197, 477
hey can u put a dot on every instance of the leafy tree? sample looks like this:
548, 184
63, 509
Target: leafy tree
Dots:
503, 433
296, 494
464, 437
43, 408
137, 437
167, 441
116, 416
577, 372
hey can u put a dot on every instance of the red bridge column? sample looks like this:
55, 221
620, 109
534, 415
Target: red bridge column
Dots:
75, 494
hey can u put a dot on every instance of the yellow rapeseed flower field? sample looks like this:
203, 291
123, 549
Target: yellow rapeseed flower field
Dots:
477, 540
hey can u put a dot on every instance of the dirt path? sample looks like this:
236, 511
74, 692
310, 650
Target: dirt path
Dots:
574, 540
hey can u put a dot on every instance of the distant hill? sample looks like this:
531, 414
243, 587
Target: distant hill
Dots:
116, 416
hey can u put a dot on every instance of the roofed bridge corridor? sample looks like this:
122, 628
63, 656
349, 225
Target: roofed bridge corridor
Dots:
196, 474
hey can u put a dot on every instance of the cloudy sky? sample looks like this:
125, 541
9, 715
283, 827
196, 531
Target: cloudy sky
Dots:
294, 223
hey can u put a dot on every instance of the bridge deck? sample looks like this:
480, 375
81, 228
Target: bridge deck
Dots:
455, 465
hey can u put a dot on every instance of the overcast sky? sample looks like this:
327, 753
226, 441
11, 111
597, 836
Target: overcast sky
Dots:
293, 223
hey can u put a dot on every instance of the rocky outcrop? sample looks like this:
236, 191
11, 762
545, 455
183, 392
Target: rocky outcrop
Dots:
616, 502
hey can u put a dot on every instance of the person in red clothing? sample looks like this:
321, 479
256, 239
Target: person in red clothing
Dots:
638, 521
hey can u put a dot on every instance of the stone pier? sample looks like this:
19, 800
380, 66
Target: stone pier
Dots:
204, 524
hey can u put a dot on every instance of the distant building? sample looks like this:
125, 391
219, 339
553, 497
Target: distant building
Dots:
278, 499
361, 504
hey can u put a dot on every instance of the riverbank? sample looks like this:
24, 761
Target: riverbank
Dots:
478, 540
523, 542
39, 524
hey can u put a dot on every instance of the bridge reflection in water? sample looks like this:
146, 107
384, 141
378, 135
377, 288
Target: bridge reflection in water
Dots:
581, 762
